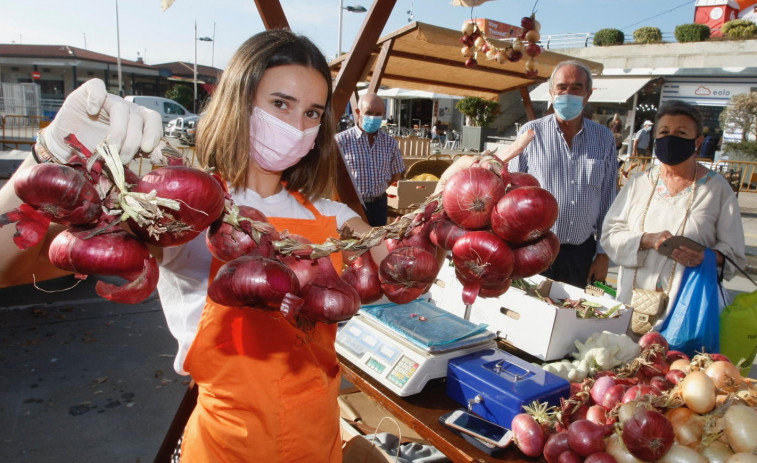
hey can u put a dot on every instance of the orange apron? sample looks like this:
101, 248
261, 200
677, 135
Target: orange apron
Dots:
267, 391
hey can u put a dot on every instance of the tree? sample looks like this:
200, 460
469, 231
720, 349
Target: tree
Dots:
741, 115
481, 112
182, 95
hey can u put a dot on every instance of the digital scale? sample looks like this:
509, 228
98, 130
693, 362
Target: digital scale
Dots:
404, 346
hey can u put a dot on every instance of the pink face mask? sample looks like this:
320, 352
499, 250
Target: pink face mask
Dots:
275, 145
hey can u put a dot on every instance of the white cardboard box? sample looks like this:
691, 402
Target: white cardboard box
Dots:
539, 328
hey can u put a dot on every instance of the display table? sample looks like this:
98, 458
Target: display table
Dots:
421, 412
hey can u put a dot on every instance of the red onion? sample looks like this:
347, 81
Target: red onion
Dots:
674, 355
305, 268
524, 214
613, 396
328, 298
418, 237
597, 414
406, 273
60, 192
201, 201
239, 230
470, 195
536, 256
675, 376
444, 232
586, 437
600, 387
481, 259
528, 434
362, 274
521, 179
569, 456
600, 457
253, 281
653, 337
658, 365
648, 435
715, 357
660, 383
90, 251
31, 225
556, 444
638, 392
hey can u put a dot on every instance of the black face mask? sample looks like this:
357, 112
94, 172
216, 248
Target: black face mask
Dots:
672, 150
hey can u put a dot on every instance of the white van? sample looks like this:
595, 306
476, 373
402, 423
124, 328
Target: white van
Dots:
167, 108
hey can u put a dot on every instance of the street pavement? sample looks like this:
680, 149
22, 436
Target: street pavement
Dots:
86, 380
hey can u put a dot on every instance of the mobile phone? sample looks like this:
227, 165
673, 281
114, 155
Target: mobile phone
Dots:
484, 430
667, 246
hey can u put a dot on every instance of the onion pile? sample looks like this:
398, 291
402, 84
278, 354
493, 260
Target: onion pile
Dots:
635, 414
497, 227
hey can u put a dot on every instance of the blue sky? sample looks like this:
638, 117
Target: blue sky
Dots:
160, 36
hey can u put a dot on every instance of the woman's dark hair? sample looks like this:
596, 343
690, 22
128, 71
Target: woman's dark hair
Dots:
223, 141
681, 108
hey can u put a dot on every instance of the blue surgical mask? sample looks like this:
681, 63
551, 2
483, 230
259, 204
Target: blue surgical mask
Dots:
648, 128
371, 123
568, 107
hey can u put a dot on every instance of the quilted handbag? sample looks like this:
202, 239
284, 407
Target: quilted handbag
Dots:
647, 305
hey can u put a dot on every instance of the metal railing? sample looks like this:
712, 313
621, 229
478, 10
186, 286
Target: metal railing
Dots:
585, 39
742, 175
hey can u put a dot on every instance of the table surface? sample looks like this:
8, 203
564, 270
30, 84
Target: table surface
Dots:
421, 412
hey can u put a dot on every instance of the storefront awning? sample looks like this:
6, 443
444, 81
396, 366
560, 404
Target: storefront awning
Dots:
605, 90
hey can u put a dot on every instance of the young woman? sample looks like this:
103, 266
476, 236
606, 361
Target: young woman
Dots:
267, 390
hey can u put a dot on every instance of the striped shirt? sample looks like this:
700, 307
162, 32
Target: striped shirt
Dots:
582, 179
371, 166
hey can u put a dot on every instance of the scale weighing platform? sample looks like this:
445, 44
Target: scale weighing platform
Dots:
404, 346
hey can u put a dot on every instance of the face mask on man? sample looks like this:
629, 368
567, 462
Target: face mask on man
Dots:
275, 145
371, 124
648, 128
673, 150
568, 107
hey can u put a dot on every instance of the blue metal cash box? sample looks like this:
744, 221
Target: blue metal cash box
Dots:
495, 384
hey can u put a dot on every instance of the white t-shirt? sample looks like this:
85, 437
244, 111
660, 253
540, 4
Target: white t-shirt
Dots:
184, 271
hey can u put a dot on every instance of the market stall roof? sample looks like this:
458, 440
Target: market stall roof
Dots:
405, 94
604, 90
426, 57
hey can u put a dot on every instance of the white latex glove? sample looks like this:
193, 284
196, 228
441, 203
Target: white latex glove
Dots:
94, 115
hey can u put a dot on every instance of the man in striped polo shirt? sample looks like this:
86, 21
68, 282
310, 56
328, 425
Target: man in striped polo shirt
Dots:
575, 159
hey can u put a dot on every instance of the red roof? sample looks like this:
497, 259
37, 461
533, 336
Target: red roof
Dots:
63, 52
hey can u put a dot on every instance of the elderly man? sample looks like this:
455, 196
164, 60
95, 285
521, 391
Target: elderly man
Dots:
575, 159
372, 157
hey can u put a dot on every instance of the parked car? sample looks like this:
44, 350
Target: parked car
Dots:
188, 134
167, 108
176, 127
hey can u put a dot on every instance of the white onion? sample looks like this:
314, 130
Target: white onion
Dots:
742, 458
615, 447
717, 452
741, 428
681, 364
698, 392
682, 454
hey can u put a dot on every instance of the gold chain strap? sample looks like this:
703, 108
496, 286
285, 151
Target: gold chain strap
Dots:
695, 186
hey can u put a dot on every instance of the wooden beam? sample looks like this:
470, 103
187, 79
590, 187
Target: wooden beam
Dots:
527, 103
272, 14
455, 64
380, 66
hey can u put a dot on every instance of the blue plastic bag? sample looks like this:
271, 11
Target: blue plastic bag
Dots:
693, 325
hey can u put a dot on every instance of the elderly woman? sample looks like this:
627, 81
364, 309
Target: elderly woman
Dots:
676, 196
